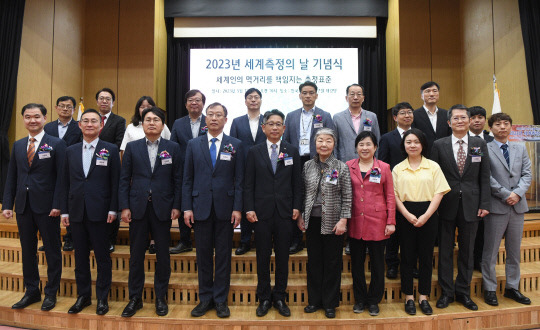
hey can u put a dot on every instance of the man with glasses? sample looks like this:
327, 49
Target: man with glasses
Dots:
465, 164
247, 128
390, 153
301, 126
185, 129
113, 130
67, 129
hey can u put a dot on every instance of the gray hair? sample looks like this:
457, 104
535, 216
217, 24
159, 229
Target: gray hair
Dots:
326, 131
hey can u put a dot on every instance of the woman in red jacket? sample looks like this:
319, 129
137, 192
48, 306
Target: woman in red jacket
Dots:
372, 221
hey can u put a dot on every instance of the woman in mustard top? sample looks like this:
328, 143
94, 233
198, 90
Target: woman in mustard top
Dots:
419, 186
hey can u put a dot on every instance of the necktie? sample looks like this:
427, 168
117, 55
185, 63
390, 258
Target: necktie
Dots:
504, 148
31, 151
273, 157
87, 158
461, 157
213, 151
102, 123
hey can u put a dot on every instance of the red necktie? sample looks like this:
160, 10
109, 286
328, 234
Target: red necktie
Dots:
31, 151
102, 123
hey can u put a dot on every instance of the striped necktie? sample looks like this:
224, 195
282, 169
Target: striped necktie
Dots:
504, 148
31, 151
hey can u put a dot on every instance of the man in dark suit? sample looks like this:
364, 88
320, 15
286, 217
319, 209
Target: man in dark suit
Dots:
247, 128
149, 197
465, 163
113, 131
33, 182
272, 196
476, 128
90, 202
429, 118
212, 203
185, 129
390, 153
68, 130
301, 126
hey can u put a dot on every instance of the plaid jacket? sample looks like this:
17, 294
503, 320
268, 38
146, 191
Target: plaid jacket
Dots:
337, 198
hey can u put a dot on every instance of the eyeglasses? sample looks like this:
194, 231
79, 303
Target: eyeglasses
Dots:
215, 115
64, 107
104, 99
278, 125
403, 113
462, 118
88, 121
156, 120
194, 100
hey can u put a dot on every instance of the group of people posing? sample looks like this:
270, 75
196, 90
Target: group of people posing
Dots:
278, 176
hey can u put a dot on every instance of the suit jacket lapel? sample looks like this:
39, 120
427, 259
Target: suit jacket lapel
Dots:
282, 149
203, 123
495, 150
99, 146
69, 130
450, 155
348, 119
295, 123
266, 158
205, 151
424, 116
397, 136
108, 123
442, 121
259, 129
143, 152
161, 147
468, 159
356, 171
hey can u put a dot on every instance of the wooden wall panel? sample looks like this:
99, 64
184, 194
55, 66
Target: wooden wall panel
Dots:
392, 54
35, 62
135, 54
446, 51
160, 55
100, 50
67, 74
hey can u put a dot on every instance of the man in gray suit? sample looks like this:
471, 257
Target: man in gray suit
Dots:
351, 121
510, 178
301, 126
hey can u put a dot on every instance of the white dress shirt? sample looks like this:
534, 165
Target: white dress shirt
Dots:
432, 117
254, 126
269, 147
218, 142
38, 138
455, 145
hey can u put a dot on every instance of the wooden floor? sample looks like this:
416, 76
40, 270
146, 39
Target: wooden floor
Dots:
182, 295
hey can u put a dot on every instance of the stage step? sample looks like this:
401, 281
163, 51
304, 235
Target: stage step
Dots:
508, 314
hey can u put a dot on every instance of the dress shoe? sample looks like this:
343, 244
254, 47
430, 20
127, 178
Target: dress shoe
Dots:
161, 307
202, 308
132, 307
295, 248
27, 300
348, 249
311, 308
415, 272
152, 249
444, 301
330, 313
222, 310
80, 304
68, 245
48, 303
391, 273
264, 307
180, 248
111, 248
358, 308
466, 301
41, 248
410, 308
373, 309
490, 297
102, 307
242, 249
282, 308
425, 307
517, 296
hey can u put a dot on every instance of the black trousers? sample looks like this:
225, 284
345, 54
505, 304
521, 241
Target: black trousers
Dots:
417, 245
185, 232
28, 224
68, 237
87, 232
466, 237
358, 258
274, 231
392, 250
210, 234
479, 244
297, 234
325, 260
246, 230
138, 234
112, 229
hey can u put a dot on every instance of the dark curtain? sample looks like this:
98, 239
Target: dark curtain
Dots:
529, 12
371, 64
11, 21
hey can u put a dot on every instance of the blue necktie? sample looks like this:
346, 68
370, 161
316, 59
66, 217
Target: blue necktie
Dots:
87, 158
504, 147
213, 151
273, 157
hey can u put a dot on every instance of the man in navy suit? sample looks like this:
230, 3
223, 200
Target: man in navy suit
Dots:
185, 129
90, 202
301, 126
212, 204
149, 197
272, 196
113, 130
431, 119
247, 128
33, 182
476, 128
68, 130
390, 153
